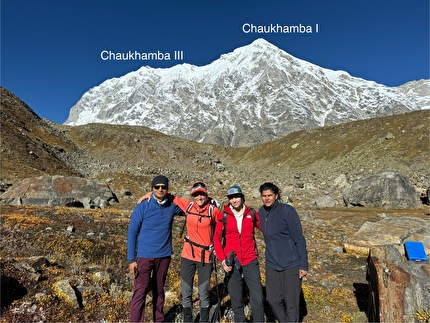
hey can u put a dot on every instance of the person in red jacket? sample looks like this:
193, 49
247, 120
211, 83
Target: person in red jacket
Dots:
236, 250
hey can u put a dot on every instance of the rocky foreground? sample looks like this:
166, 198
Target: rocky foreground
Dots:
68, 264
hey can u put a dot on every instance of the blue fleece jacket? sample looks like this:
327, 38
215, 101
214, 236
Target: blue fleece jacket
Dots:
150, 229
285, 243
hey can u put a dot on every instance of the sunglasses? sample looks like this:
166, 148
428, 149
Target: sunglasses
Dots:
198, 194
197, 186
157, 187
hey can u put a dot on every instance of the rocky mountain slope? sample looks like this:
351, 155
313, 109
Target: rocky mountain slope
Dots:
30, 145
306, 164
252, 95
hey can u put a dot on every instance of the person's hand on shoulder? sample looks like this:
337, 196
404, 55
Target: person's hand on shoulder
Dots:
147, 196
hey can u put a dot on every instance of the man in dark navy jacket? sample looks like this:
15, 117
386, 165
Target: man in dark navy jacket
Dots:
286, 254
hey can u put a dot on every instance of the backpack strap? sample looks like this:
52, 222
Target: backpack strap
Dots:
187, 211
202, 253
185, 220
211, 211
224, 223
254, 221
189, 207
254, 218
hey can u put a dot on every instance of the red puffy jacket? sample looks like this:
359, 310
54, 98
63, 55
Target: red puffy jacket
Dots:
242, 243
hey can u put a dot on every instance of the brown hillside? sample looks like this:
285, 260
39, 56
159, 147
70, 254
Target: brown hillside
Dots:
29, 144
398, 143
305, 164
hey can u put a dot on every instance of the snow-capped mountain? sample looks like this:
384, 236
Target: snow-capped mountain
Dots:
254, 94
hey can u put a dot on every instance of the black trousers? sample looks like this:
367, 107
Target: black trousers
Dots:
283, 293
250, 274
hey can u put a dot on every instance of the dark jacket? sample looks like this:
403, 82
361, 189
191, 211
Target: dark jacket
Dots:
285, 243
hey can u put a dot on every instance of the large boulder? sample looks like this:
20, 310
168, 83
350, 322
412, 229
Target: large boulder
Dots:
59, 191
386, 189
397, 287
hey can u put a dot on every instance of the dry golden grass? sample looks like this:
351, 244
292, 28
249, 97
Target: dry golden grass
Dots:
334, 290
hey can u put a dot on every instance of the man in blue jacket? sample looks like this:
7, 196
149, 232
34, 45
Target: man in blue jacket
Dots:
149, 249
286, 254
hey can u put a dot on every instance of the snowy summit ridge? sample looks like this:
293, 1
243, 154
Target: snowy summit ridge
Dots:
254, 94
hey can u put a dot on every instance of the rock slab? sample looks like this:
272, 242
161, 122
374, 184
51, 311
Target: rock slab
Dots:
388, 231
59, 191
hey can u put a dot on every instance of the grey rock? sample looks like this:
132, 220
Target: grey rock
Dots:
389, 136
88, 203
340, 181
65, 291
325, 201
386, 189
59, 191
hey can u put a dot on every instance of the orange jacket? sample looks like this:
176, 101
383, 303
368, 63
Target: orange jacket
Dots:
199, 228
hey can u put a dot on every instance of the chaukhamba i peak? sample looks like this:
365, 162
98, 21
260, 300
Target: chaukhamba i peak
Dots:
255, 94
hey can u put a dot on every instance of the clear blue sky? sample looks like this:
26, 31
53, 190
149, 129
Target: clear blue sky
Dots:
50, 49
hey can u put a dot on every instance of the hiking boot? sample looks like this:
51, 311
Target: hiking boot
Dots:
204, 314
188, 314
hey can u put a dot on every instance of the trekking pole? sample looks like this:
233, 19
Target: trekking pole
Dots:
224, 286
217, 313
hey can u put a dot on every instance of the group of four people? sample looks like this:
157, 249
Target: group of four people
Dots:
227, 233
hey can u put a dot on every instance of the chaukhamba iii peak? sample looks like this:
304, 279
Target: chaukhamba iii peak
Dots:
254, 94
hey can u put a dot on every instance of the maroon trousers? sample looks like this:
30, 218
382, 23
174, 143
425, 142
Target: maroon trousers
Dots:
152, 276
